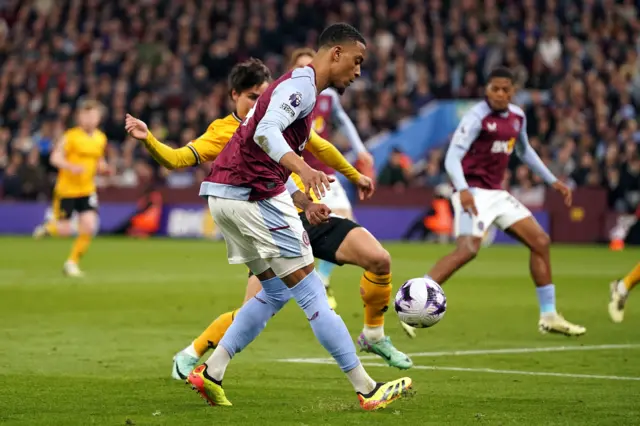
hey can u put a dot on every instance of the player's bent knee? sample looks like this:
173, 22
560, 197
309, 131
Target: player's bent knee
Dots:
467, 249
378, 261
542, 241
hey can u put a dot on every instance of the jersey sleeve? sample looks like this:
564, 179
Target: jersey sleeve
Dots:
528, 155
344, 123
324, 151
292, 99
208, 146
464, 136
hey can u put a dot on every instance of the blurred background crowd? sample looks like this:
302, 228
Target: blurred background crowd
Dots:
166, 61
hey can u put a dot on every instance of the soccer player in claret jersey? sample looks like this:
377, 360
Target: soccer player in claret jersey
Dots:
476, 161
248, 201
329, 111
337, 240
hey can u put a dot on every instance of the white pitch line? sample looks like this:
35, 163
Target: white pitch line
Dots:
503, 351
476, 370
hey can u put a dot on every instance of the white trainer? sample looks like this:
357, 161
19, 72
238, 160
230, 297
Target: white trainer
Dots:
616, 302
556, 323
71, 269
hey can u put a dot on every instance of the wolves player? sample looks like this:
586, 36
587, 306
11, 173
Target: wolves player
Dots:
248, 201
328, 110
338, 240
79, 157
476, 162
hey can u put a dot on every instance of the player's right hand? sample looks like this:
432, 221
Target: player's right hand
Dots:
468, 203
317, 213
365, 186
136, 128
315, 180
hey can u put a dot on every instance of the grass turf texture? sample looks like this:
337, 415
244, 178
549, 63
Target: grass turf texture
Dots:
98, 350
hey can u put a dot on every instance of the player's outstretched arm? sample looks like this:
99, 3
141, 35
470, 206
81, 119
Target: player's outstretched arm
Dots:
345, 125
528, 155
324, 151
165, 155
291, 100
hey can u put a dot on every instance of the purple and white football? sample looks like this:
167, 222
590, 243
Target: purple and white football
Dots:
420, 302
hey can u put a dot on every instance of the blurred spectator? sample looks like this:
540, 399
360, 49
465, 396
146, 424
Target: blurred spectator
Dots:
397, 170
166, 62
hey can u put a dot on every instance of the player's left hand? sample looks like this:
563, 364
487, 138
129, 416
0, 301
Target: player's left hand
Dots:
365, 186
317, 213
565, 191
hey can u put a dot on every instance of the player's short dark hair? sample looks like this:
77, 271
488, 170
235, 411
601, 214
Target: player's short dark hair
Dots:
247, 74
501, 72
340, 33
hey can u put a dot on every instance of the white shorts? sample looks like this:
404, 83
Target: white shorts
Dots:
494, 206
266, 229
337, 199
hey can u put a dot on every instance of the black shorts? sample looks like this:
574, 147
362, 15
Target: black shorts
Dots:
326, 238
63, 208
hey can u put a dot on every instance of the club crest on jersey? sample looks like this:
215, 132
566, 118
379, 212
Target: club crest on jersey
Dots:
295, 99
516, 125
492, 127
324, 105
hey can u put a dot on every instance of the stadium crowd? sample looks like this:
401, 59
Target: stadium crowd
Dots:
166, 62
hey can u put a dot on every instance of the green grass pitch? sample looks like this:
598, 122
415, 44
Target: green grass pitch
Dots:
98, 350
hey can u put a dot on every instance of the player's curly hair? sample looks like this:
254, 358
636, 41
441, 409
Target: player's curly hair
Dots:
340, 33
247, 74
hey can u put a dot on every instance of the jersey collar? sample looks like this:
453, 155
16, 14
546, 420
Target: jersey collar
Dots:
236, 117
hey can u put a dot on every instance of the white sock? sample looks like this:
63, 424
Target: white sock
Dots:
373, 334
217, 363
621, 288
360, 380
191, 351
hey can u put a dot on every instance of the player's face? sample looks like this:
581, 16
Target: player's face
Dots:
303, 61
247, 99
90, 118
346, 64
499, 93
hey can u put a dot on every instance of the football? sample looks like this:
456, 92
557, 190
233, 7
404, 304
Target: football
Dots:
420, 303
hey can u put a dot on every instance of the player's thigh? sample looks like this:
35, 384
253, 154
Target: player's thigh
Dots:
63, 209
337, 200
278, 234
253, 287
529, 232
87, 209
327, 238
228, 215
510, 211
363, 249
466, 224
